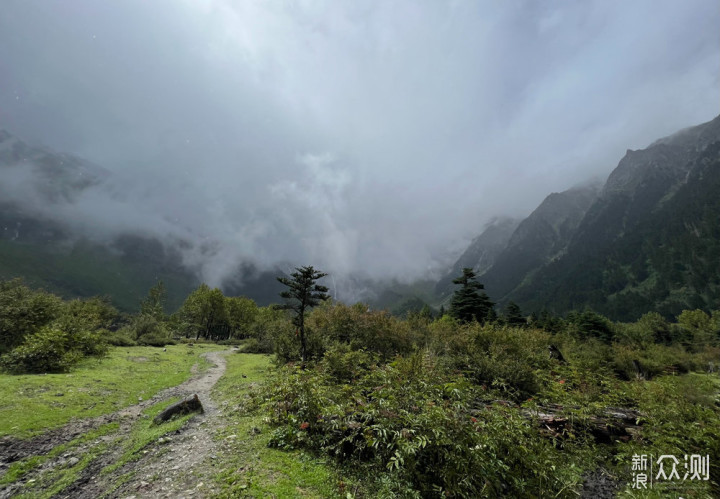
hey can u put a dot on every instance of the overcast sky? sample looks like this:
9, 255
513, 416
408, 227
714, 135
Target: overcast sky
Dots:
376, 135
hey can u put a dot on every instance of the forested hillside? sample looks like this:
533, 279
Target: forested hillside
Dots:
647, 242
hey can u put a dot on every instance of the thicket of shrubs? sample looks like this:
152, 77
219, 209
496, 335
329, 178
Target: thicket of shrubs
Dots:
39, 332
429, 407
424, 406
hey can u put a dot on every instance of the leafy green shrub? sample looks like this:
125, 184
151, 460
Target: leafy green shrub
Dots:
344, 365
86, 315
147, 325
254, 346
23, 312
120, 338
500, 357
589, 324
360, 328
230, 341
286, 343
412, 421
92, 343
44, 351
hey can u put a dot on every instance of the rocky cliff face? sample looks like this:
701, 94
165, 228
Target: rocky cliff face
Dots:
482, 252
631, 251
641, 242
540, 238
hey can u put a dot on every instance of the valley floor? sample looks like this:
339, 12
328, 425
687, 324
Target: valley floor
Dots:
221, 453
90, 433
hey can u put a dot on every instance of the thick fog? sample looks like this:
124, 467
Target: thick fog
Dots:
374, 136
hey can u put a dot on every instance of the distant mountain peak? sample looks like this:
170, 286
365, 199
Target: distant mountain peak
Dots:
53, 176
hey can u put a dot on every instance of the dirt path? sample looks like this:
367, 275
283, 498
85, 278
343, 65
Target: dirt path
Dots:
170, 467
175, 467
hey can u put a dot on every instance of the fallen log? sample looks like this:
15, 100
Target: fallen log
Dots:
190, 404
613, 423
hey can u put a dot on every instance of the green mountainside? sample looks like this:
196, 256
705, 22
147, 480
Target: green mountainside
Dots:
482, 252
540, 238
626, 262
649, 241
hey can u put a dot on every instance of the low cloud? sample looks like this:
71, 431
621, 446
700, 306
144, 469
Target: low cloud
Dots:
375, 137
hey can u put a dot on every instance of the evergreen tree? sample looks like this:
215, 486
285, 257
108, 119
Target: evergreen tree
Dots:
469, 302
513, 315
303, 294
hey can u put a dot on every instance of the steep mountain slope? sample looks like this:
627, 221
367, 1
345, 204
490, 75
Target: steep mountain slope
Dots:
482, 252
540, 238
650, 239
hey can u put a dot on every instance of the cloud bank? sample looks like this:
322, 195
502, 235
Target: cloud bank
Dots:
374, 137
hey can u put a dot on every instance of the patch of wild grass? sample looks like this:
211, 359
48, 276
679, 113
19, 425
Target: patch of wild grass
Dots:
248, 467
34, 403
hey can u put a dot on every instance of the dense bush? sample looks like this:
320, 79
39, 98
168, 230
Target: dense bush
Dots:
120, 338
432, 408
23, 312
254, 346
430, 431
360, 328
41, 333
45, 351
499, 357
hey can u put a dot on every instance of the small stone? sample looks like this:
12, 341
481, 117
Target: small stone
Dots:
73, 461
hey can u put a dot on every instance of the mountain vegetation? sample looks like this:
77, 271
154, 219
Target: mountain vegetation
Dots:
645, 241
421, 406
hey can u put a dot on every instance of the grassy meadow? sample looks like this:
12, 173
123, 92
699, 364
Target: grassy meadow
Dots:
35, 403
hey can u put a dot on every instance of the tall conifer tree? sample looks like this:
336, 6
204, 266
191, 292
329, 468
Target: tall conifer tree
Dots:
469, 302
303, 294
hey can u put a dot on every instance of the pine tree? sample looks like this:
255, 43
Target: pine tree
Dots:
469, 302
513, 315
303, 294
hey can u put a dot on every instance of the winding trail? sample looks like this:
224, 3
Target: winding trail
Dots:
170, 467
173, 469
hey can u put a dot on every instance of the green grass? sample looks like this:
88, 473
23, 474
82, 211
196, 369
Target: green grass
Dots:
33, 404
248, 466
